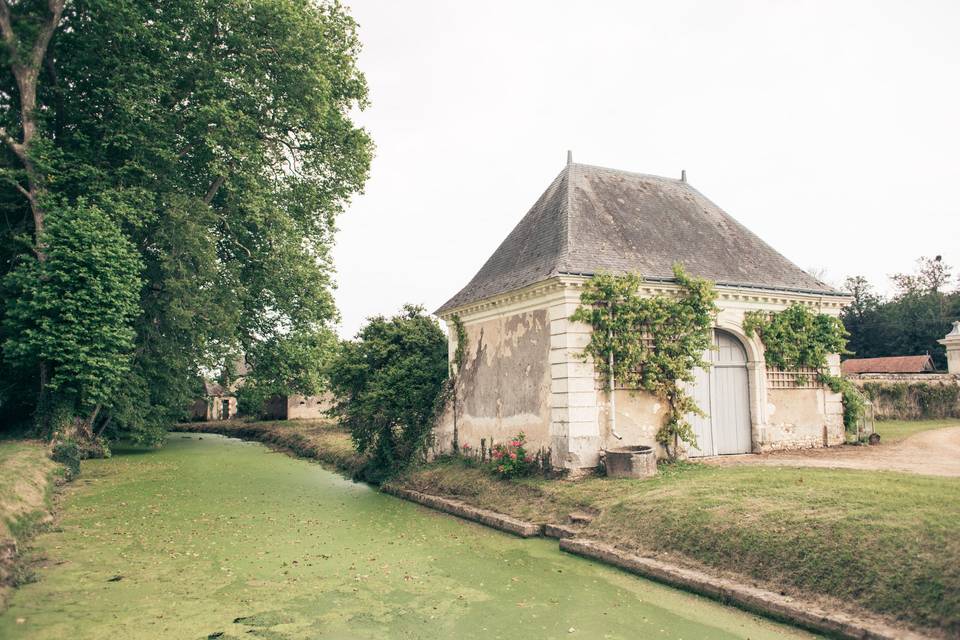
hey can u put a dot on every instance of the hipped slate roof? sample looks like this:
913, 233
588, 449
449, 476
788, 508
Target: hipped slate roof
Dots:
593, 219
892, 364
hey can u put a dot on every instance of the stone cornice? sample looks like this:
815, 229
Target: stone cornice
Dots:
557, 286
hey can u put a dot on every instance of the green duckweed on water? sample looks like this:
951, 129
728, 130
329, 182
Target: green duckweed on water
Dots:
211, 535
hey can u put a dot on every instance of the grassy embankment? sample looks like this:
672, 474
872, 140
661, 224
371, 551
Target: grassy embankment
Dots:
879, 541
320, 440
27, 478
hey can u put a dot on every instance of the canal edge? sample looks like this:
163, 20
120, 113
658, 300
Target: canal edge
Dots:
767, 603
486, 517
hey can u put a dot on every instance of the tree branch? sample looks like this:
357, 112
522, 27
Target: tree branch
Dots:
212, 191
6, 30
15, 146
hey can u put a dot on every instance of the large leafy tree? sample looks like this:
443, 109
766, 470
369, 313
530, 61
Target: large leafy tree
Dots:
388, 383
908, 323
216, 136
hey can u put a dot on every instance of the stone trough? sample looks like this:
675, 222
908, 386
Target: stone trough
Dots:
631, 462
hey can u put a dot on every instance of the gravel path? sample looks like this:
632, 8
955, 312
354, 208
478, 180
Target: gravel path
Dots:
933, 453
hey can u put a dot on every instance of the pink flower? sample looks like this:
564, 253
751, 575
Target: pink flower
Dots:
513, 456
466, 446
527, 459
515, 443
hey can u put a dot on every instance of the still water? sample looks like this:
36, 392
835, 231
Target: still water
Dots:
211, 537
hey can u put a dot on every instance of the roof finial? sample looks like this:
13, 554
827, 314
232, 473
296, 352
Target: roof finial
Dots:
683, 175
569, 157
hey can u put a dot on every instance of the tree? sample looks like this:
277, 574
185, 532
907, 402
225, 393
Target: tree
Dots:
931, 275
292, 363
216, 135
387, 382
73, 311
911, 322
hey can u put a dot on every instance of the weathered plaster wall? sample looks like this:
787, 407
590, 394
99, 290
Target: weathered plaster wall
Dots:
639, 416
562, 406
797, 420
504, 385
308, 407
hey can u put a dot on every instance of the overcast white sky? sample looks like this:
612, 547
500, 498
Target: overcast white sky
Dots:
830, 129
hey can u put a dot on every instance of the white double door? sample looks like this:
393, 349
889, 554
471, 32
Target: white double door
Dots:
723, 393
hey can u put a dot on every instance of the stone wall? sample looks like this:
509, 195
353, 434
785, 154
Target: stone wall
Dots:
796, 419
911, 396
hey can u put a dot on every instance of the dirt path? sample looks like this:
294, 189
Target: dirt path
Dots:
935, 452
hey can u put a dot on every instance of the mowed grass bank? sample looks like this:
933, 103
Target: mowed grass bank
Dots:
27, 478
882, 542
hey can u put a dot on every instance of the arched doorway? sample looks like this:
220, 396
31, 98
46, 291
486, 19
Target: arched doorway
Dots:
723, 392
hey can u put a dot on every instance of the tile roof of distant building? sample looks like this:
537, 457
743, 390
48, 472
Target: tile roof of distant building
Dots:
892, 364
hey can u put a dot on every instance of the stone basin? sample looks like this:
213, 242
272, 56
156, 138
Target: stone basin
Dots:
631, 462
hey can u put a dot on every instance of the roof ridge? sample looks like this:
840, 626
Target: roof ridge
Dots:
629, 173
567, 214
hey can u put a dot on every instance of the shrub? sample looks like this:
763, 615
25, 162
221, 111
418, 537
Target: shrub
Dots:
67, 453
511, 460
387, 382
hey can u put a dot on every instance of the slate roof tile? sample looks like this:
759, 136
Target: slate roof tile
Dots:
593, 219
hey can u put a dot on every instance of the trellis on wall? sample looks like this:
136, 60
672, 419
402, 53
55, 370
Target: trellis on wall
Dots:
802, 378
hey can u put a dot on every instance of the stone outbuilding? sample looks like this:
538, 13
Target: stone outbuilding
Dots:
297, 407
524, 369
217, 403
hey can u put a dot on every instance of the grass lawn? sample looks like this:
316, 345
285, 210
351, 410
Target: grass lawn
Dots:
885, 542
896, 430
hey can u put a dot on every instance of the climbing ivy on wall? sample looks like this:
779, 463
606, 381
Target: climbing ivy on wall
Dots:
798, 338
450, 387
655, 342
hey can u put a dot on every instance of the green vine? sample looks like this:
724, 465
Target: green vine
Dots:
461, 353
797, 338
655, 342
450, 387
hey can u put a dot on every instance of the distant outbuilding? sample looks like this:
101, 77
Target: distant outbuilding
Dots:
892, 364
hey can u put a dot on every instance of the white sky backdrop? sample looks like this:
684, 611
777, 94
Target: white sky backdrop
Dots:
830, 129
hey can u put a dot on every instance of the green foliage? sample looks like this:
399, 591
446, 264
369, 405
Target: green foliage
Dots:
292, 363
67, 453
655, 342
74, 311
915, 399
798, 338
449, 391
463, 343
217, 135
386, 382
511, 460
